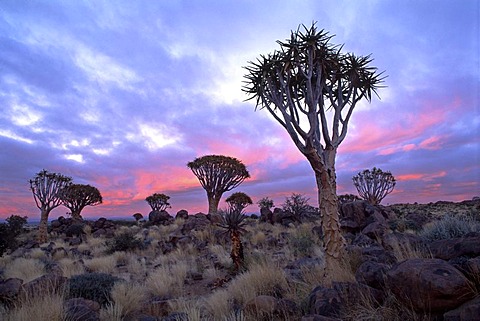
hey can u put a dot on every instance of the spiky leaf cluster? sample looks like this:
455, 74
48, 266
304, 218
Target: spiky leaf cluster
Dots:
307, 77
233, 221
373, 185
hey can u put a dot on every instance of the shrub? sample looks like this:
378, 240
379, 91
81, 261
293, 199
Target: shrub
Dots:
92, 286
9, 231
298, 205
124, 242
448, 227
265, 203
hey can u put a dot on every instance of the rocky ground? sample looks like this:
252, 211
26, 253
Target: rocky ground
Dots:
402, 262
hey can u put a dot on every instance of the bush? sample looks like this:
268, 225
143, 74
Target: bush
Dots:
9, 231
297, 204
448, 227
92, 286
124, 242
302, 244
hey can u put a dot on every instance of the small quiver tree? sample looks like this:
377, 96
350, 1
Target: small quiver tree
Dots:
373, 185
158, 202
47, 189
76, 197
265, 203
138, 217
239, 201
218, 174
233, 221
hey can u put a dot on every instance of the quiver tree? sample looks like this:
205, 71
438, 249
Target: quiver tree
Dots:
218, 174
238, 201
233, 221
158, 202
76, 197
137, 217
47, 189
311, 88
373, 185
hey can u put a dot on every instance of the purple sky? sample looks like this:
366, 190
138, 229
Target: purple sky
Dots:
121, 96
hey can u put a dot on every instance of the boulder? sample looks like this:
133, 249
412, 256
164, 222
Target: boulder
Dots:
266, 306
182, 214
428, 285
469, 311
329, 302
372, 274
452, 248
160, 218
317, 317
9, 290
266, 215
45, 283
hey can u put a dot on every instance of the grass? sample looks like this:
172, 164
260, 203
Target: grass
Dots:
152, 275
25, 269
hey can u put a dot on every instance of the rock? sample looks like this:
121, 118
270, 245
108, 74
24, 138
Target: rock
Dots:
160, 218
330, 301
452, 248
262, 305
284, 218
196, 222
428, 285
45, 283
372, 274
182, 214
80, 309
355, 216
266, 215
9, 290
215, 218
469, 311
317, 317
176, 316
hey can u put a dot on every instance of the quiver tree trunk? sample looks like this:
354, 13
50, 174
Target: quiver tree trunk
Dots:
237, 250
213, 201
325, 176
42, 236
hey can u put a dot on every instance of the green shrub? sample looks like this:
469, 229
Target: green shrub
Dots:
124, 242
448, 227
92, 286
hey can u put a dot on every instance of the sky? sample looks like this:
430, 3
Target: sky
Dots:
121, 95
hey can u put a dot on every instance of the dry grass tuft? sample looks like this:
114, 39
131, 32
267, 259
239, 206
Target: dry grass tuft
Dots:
46, 307
167, 280
128, 296
262, 278
106, 264
71, 267
25, 269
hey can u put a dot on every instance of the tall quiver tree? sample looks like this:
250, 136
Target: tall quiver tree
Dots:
76, 197
218, 174
311, 89
47, 189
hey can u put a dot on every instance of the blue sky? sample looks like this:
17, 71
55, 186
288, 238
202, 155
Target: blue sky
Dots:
122, 94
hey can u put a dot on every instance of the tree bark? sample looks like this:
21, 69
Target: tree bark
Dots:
213, 201
43, 227
237, 250
324, 168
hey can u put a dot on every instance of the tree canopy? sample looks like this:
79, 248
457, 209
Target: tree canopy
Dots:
218, 174
158, 202
77, 196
